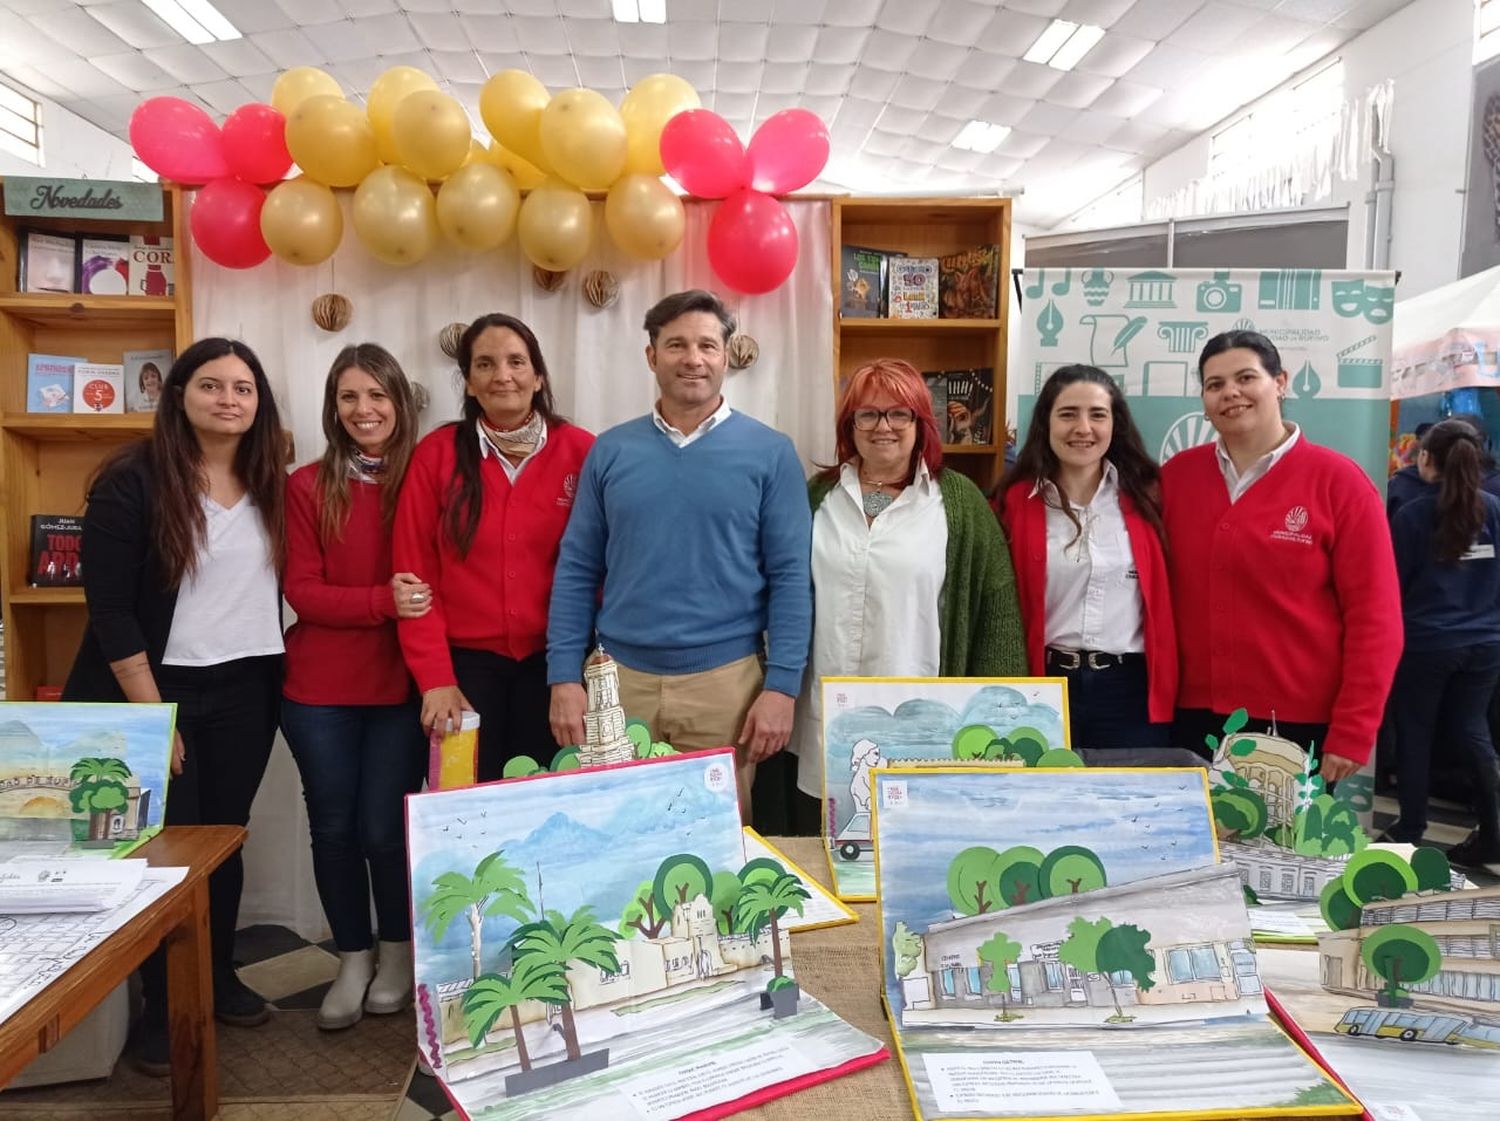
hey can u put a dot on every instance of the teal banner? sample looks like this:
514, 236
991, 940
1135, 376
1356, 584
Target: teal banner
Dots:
88, 200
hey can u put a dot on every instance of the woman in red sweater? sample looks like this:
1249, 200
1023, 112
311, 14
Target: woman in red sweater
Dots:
348, 708
1283, 579
1083, 510
480, 519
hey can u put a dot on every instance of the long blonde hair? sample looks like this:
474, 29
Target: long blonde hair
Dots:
334, 469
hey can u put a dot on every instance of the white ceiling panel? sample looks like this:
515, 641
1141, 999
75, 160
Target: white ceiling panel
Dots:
1114, 55
85, 35
1078, 91
842, 44
464, 66
1156, 19
824, 79
188, 64
1100, 13
1027, 79
1011, 33
801, 11
1126, 98
239, 58
288, 48
960, 23
1047, 8
1215, 27
136, 24
440, 31
743, 42
490, 34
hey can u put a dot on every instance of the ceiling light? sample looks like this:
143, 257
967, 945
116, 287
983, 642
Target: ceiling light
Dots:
197, 21
1063, 44
640, 11
981, 136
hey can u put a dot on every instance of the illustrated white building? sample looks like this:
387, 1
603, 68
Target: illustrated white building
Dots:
604, 738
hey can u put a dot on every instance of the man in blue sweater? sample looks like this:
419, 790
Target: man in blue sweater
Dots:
694, 521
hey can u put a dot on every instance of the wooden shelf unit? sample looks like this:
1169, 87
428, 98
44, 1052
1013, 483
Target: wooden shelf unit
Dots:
47, 459
928, 228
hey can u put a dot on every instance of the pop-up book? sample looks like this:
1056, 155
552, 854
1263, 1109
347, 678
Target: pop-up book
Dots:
594, 943
82, 779
871, 722
1065, 944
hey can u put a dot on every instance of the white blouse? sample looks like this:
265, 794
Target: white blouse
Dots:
230, 606
1093, 591
875, 599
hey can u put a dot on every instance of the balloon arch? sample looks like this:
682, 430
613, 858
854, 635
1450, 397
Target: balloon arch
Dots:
410, 137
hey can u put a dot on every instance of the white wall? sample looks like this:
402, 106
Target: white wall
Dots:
1426, 49
71, 147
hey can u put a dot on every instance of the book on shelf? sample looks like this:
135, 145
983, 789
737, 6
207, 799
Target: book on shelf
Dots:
151, 266
49, 383
56, 549
969, 283
104, 266
937, 386
49, 262
968, 413
862, 281
98, 387
145, 371
913, 284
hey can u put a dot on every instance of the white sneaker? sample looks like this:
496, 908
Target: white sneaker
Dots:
343, 1005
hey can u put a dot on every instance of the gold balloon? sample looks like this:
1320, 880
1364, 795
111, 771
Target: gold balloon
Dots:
556, 225
432, 134
394, 216
511, 104
301, 221
583, 138
644, 217
526, 175
476, 207
647, 108
387, 92
331, 141
296, 85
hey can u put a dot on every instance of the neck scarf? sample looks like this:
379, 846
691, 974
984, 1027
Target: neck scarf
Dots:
516, 443
366, 468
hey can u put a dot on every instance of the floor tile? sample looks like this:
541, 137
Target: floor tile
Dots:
289, 973
308, 1000
257, 943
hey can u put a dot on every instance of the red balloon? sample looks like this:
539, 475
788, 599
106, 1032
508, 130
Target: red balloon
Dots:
225, 221
178, 140
752, 244
787, 151
701, 152
255, 143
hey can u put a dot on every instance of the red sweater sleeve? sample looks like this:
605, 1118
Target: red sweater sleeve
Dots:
306, 586
1364, 579
424, 641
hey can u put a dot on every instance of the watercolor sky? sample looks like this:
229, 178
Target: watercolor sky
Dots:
1139, 823
594, 835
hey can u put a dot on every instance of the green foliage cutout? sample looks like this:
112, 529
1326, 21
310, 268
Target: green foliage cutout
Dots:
1400, 955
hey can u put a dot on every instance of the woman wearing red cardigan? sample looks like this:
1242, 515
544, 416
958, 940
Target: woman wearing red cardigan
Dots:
348, 707
1082, 512
481, 518
1283, 579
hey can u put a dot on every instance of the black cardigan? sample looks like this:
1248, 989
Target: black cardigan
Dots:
130, 600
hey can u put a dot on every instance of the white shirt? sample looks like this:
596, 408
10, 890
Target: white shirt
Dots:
229, 607
683, 439
1093, 590
875, 598
512, 470
1238, 484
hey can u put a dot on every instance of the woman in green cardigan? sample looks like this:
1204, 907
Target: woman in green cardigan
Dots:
911, 573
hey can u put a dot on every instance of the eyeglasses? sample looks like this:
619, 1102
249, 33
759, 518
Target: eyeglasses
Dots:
867, 420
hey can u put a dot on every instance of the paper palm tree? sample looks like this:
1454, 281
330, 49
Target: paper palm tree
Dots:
495, 888
99, 787
558, 941
763, 902
532, 977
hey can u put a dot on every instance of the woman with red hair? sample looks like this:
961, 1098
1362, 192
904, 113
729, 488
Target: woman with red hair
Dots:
911, 574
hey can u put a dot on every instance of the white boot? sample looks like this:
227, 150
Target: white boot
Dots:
391, 989
344, 1003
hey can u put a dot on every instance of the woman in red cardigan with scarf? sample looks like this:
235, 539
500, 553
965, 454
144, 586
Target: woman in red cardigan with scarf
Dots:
1082, 511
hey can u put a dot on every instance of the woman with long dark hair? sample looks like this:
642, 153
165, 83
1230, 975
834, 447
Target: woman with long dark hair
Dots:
1450, 598
910, 573
1283, 583
480, 519
349, 708
183, 540
1083, 508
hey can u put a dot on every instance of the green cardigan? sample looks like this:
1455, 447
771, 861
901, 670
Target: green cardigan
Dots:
980, 620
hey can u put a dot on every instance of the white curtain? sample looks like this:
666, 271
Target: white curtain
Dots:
599, 377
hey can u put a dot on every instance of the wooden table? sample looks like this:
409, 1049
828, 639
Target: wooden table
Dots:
178, 920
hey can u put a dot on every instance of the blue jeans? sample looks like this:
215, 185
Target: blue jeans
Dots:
358, 763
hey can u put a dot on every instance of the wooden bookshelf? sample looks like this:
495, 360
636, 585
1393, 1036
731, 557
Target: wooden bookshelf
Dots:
47, 459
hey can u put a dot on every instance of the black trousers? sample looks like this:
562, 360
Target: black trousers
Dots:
227, 717
512, 698
1192, 724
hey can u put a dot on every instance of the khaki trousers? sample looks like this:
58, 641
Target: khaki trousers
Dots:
695, 711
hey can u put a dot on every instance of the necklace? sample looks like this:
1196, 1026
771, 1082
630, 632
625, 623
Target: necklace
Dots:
876, 501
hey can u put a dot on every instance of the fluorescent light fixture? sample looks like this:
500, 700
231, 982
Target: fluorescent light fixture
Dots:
1057, 33
1063, 44
197, 21
981, 136
640, 11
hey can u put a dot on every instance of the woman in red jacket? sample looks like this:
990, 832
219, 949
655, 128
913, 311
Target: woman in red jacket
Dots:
348, 708
1283, 579
1083, 513
480, 519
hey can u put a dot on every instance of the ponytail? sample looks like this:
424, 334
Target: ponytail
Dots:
1458, 458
